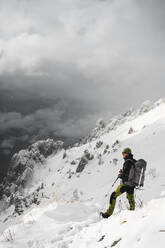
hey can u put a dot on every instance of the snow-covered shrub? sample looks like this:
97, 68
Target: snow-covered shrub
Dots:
115, 161
70, 173
100, 159
128, 113
88, 155
18, 202
159, 102
8, 235
130, 130
64, 155
116, 144
99, 144
145, 107
73, 162
105, 151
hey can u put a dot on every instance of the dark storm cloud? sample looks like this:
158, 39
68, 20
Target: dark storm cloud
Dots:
84, 49
96, 56
43, 123
60, 118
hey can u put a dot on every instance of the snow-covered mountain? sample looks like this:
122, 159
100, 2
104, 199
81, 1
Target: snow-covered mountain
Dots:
61, 197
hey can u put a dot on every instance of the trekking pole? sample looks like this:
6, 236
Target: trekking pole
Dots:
112, 185
115, 181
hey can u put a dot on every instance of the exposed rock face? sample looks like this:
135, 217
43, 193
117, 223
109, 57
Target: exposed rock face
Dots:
21, 169
84, 161
23, 162
130, 130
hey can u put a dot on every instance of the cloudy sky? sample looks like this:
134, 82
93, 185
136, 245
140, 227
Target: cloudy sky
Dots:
66, 63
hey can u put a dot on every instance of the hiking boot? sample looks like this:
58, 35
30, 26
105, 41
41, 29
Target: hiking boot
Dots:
104, 215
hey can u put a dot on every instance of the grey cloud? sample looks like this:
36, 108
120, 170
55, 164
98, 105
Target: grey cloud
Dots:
46, 121
9, 120
94, 35
7, 144
97, 57
90, 51
59, 121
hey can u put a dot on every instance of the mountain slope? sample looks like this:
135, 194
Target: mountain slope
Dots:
70, 201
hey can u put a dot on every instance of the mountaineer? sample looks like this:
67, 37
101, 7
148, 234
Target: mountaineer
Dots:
125, 185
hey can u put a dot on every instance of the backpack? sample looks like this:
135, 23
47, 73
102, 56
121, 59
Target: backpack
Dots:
137, 173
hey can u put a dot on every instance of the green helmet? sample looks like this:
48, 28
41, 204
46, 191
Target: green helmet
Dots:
127, 150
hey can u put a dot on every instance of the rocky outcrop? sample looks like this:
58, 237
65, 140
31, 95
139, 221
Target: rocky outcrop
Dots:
130, 130
99, 144
21, 170
84, 161
23, 162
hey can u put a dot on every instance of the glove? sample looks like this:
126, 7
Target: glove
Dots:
120, 174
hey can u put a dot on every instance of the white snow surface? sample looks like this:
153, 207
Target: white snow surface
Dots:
68, 215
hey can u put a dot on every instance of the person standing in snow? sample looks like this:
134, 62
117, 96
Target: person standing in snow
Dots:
123, 187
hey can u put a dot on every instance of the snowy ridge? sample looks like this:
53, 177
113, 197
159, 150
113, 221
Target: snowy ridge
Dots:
103, 127
67, 215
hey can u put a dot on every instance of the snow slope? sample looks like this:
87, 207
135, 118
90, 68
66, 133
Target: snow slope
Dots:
67, 216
